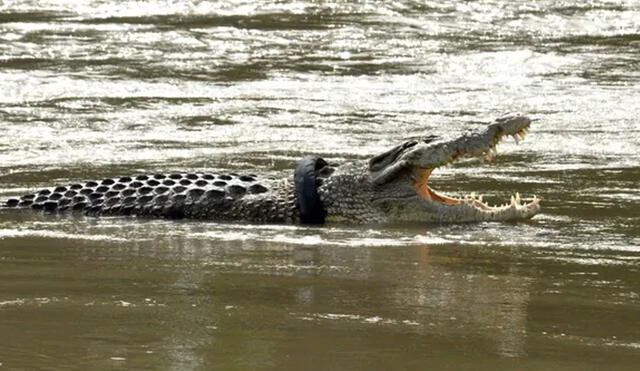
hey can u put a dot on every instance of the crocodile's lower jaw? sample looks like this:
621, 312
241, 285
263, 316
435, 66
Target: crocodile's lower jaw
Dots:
423, 189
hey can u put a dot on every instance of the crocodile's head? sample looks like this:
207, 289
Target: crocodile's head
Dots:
400, 177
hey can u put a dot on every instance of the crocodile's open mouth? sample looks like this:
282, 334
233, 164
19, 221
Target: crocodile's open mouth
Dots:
516, 204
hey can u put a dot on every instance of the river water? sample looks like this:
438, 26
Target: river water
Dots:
93, 89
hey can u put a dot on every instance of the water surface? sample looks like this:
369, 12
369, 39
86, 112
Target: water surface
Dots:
93, 89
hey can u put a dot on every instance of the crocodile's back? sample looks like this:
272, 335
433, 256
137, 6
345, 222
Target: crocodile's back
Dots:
196, 195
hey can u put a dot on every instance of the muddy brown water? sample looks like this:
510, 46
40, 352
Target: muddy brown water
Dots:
92, 89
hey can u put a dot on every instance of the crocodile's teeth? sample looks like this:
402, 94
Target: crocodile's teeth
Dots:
517, 197
515, 137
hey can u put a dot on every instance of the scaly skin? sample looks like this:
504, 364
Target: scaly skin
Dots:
392, 188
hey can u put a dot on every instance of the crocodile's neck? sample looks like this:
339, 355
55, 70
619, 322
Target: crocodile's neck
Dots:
347, 196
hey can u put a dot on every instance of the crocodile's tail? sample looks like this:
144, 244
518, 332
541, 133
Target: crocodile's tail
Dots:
153, 195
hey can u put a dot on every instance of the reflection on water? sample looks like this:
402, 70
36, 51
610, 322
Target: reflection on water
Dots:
102, 88
205, 292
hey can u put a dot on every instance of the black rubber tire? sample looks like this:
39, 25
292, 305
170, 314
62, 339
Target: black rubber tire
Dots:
309, 204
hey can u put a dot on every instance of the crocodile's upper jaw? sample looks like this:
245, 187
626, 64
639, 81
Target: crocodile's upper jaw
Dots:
404, 172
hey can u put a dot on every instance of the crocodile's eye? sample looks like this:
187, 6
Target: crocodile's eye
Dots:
385, 159
389, 157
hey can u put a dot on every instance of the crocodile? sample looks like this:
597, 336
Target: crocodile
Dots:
392, 187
